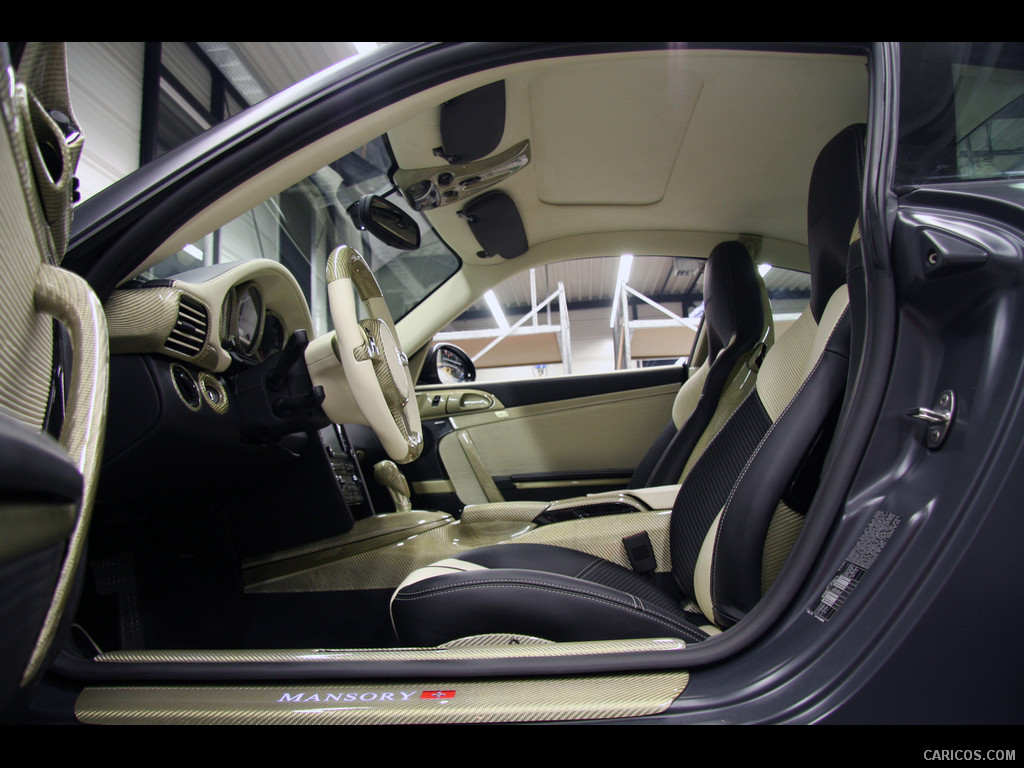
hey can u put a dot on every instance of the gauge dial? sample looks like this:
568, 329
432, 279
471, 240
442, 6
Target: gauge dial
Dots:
248, 318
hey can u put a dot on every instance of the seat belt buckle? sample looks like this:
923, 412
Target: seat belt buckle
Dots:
640, 553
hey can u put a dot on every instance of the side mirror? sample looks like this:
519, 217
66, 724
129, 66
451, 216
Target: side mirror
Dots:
386, 221
447, 364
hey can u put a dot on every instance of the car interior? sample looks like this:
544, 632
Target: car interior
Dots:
268, 485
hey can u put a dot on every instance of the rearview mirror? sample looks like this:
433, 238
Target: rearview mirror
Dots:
386, 221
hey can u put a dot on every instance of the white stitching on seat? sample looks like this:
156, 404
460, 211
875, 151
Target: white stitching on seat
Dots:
508, 583
760, 445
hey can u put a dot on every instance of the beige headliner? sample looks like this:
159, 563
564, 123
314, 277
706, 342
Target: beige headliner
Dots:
648, 153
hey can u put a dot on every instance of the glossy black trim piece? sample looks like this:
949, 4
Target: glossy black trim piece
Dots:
56, 403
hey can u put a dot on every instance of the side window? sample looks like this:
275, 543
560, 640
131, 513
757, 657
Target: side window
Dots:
961, 112
599, 315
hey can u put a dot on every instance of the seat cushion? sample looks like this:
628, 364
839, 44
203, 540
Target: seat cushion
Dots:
530, 589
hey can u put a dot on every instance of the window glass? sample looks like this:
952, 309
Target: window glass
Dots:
301, 226
961, 112
580, 328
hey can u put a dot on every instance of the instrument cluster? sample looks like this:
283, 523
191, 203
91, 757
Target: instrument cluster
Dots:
248, 329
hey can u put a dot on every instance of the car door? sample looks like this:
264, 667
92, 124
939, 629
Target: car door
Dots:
947, 446
52, 335
539, 439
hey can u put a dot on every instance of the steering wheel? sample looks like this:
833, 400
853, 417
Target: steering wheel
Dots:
376, 368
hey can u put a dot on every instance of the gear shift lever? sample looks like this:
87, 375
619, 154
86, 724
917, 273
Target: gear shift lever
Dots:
390, 476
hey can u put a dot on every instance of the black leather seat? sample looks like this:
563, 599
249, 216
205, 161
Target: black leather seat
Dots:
737, 512
739, 331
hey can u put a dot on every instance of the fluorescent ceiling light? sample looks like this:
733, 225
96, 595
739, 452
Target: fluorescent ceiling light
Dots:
495, 307
625, 264
194, 252
764, 269
362, 48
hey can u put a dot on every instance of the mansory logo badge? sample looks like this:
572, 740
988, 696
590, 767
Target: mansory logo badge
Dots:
365, 697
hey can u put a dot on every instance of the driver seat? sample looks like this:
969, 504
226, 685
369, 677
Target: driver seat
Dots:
737, 512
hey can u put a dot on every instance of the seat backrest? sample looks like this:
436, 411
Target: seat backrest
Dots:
742, 505
738, 330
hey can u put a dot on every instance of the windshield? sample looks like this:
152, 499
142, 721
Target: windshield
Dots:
302, 225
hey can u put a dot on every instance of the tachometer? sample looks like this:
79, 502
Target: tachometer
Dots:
247, 318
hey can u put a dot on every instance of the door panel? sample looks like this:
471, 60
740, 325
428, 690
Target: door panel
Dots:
539, 441
46, 486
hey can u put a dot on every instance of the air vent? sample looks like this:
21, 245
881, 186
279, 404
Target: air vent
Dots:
189, 334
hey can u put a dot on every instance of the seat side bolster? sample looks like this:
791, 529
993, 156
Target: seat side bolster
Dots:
508, 600
440, 568
736, 584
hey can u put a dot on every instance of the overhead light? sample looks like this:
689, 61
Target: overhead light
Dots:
495, 307
362, 48
625, 264
764, 269
194, 252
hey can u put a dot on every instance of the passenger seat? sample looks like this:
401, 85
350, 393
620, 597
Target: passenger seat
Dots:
736, 515
738, 330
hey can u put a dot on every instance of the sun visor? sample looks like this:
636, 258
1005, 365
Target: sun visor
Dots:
497, 225
472, 124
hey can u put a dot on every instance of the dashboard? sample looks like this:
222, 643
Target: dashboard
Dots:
212, 317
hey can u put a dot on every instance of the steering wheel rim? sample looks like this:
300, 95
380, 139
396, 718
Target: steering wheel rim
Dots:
376, 368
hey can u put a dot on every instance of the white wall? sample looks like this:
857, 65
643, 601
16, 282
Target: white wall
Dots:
106, 94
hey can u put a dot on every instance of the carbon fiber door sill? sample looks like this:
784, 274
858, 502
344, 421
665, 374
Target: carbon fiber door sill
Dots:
316, 699
435, 701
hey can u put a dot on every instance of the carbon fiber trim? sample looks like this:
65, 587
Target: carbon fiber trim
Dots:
783, 530
69, 298
41, 94
384, 391
709, 483
383, 562
368, 528
502, 511
213, 392
142, 320
433, 701
468, 649
346, 263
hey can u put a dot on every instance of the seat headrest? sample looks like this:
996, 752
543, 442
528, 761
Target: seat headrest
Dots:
833, 207
733, 309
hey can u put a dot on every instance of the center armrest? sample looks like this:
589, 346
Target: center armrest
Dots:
575, 508
503, 511
659, 497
